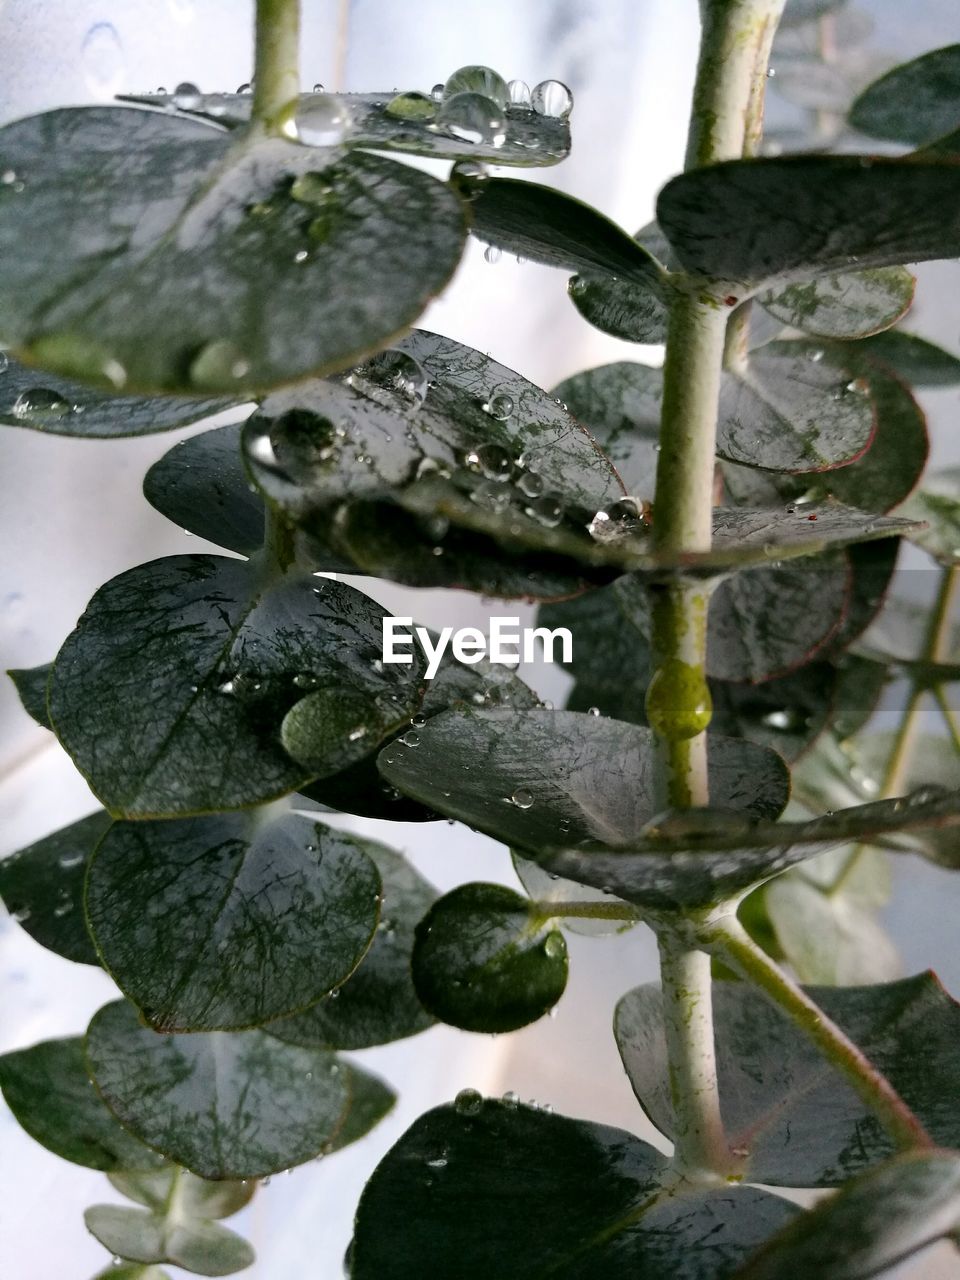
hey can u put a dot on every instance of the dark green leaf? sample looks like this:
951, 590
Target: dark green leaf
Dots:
792, 1118
874, 1223
529, 139
370, 1101
550, 783
57, 406
181, 267
483, 1189
42, 887
197, 1197
850, 304
486, 960
170, 693
786, 713
545, 225
623, 308
378, 1003
916, 102
230, 921
222, 1104
31, 685
48, 1090
938, 504
878, 480
202, 486
620, 404
763, 222
204, 1248
917, 361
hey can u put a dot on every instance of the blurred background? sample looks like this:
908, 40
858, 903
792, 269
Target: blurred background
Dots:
73, 516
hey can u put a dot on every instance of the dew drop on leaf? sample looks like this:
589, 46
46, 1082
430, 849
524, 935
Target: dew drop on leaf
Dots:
245, 88
391, 378
478, 80
322, 121
411, 106
619, 520
473, 118
491, 460
518, 92
39, 404
499, 405
553, 947
546, 510
187, 97
522, 798
468, 1102
492, 254
552, 98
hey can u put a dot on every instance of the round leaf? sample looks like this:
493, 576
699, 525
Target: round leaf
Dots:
198, 1197
222, 1104
204, 1248
202, 486
181, 267
915, 102
796, 1120
546, 1195
370, 1101
48, 1090
628, 309
378, 1003
852, 304
170, 693
233, 920
917, 361
42, 887
486, 960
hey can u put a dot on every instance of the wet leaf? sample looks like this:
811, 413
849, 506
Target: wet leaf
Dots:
233, 920
222, 1104
42, 887
766, 222
551, 783
794, 1119
191, 663
181, 268
916, 102
48, 1090
202, 486
31, 685
378, 1003
529, 139
202, 1247
547, 1195
851, 304
787, 713
58, 406
370, 1101
542, 224
624, 309
938, 505
917, 361
198, 1197
486, 960
881, 1219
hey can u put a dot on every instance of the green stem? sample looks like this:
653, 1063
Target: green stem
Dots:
729, 940
701, 1151
731, 74
949, 718
277, 61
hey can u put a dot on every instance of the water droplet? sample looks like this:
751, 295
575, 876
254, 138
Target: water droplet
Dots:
492, 494
511, 1100
436, 93
619, 519
218, 364
410, 739
530, 484
391, 378
301, 256
522, 798
411, 106
418, 721
546, 510
473, 118
356, 734
471, 170
62, 909
779, 719
323, 121
554, 947
593, 711
499, 404
816, 356
678, 702
187, 97
103, 61
468, 1102
518, 93
483, 81
245, 88
40, 404
552, 98
491, 460
438, 1162
492, 254
771, 72
71, 860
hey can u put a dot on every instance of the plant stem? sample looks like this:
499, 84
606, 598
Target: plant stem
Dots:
949, 718
277, 60
701, 1151
731, 75
279, 540
730, 941
584, 910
